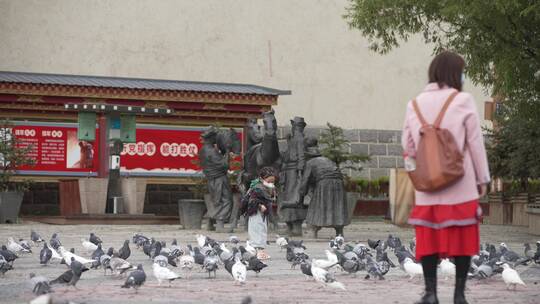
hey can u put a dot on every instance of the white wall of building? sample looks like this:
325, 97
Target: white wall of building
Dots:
302, 45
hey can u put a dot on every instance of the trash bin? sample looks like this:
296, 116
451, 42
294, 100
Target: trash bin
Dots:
190, 212
118, 204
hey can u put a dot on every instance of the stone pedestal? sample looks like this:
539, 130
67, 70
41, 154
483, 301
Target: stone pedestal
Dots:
93, 193
133, 192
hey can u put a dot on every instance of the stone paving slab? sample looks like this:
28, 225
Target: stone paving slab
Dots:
276, 284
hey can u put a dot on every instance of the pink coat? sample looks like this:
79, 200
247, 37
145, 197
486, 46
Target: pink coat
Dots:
462, 121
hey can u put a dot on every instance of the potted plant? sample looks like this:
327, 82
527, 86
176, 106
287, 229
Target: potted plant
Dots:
13, 154
192, 210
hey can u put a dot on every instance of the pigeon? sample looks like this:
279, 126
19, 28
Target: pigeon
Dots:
162, 273
250, 248
448, 269
96, 255
55, 241
124, 252
187, 262
331, 260
77, 268
201, 240
139, 240
171, 258
373, 244
175, 249
239, 271
94, 239
55, 254
511, 277
8, 255
483, 271
339, 240
64, 278
374, 269
198, 256
529, 253
119, 266
135, 279
40, 285
5, 266
16, 247
156, 250
24, 244
305, 267
67, 255
412, 269
246, 255
45, 255
348, 263
233, 239
147, 247
255, 265
508, 255
88, 246
211, 264
105, 262
324, 277
281, 242
35, 237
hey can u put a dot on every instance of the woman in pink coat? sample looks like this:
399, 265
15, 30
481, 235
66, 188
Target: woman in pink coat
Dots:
447, 221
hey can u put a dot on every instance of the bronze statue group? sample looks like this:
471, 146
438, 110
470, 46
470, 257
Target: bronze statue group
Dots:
309, 186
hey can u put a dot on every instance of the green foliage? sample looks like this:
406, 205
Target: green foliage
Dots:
12, 156
500, 41
335, 146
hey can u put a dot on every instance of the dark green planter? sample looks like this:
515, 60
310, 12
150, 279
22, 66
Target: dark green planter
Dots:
10, 205
190, 212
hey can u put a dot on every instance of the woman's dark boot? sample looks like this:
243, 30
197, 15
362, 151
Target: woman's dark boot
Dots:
339, 230
429, 265
459, 291
430, 296
463, 263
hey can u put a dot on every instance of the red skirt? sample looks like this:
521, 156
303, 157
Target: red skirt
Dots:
447, 230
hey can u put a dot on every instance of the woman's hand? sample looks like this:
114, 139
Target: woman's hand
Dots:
482, 190
262, 208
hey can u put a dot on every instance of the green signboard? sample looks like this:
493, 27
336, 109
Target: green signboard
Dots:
87, 126
128, 128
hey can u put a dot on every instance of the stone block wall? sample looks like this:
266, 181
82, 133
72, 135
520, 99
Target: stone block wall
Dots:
383, 146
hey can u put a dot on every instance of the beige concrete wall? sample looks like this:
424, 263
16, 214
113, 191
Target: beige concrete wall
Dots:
301, 45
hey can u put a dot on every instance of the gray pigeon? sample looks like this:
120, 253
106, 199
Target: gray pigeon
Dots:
211, 264
8, 255
96, 255
5, 266
45, 255
24, 244
55, 241
77, 268
94, 239
124, 252
39, 285
64, 278
35, 237
135, 279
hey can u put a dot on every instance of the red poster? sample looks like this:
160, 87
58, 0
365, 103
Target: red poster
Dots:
162, 151
56, 149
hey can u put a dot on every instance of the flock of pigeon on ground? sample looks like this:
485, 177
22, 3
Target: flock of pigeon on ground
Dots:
237, 259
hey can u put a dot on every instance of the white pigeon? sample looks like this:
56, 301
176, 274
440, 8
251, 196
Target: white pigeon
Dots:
119, 266
324, 277
250, 248
511, 277
55, 254
448, 269
331, 260
187, 262
201, 240
68, 255
15, 247
89, 246
224, 248
412, 269
164, 274
281, 242
239, 272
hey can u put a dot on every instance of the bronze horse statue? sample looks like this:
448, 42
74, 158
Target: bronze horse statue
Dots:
263, 154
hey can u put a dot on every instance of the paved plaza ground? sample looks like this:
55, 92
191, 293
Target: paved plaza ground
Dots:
276, 284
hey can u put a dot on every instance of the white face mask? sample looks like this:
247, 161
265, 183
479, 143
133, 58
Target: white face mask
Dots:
268, 185
462, 78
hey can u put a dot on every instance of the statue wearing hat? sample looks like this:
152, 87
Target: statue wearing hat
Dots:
215, 166
323, 179
291, 208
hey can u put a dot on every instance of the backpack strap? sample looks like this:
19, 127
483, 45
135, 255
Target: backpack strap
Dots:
439, 119
418, 113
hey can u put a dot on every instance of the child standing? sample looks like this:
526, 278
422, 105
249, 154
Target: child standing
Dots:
261, 194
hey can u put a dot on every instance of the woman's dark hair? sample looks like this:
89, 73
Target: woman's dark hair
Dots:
446, 69
267, 172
